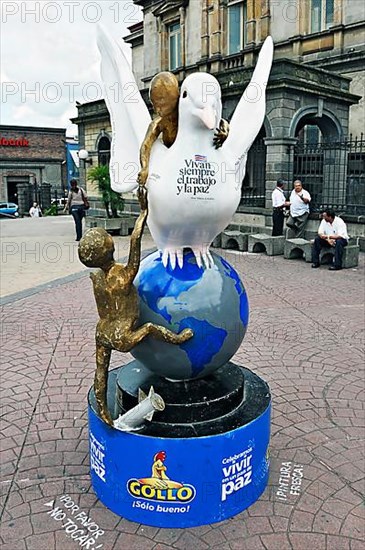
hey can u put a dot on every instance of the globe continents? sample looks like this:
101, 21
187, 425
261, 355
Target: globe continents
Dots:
212, 302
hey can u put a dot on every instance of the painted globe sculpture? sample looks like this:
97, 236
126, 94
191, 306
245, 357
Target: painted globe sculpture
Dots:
212, 302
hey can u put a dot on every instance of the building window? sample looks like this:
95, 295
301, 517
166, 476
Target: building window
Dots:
321, 15
104, 151
174, 46
237, 19
310, 135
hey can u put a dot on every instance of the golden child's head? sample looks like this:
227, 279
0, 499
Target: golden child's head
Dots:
164, 93
96, 248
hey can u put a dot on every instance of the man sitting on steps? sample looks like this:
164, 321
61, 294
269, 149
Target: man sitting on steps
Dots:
299, 211
332, 232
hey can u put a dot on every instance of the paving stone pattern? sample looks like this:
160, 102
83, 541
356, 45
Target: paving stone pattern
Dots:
306, 338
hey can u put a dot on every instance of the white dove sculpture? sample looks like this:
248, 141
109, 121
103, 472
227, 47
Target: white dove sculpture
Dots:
193, 188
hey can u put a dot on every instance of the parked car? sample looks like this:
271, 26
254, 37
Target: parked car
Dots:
9, 209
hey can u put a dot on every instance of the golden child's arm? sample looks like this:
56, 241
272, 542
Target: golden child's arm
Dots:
136, 237
152, 134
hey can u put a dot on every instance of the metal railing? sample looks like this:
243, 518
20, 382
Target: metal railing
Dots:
334, 174
253, 185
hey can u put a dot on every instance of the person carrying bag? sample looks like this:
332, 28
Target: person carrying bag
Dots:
85, 199
77, 203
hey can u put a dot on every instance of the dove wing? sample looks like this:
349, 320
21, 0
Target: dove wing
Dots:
249, 114
128, 113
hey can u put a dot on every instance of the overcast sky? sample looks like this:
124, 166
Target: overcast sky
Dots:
49, 59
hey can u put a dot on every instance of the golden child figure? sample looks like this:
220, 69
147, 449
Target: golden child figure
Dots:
117, 301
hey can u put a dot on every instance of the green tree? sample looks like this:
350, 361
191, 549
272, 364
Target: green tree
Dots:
112, 200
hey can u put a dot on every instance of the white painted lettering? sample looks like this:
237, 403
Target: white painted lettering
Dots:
290, 480
89, 537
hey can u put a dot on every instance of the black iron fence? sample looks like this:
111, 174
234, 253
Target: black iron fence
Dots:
334, 174
253, 185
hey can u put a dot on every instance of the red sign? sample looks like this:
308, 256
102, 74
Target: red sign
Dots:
11, 142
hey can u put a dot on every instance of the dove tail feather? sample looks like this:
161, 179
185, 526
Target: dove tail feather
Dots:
128, 113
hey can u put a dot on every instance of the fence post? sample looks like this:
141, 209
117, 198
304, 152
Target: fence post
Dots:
24, 192
46, 195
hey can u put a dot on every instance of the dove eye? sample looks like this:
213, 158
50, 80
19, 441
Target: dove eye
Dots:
185, 94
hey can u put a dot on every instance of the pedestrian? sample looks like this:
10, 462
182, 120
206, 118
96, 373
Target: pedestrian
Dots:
299, 210
279, 203
35, 211
332, 232
77, 203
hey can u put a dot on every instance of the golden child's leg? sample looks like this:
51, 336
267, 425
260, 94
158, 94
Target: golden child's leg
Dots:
160, 333
101, 381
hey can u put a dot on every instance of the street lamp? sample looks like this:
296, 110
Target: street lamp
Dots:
84, 156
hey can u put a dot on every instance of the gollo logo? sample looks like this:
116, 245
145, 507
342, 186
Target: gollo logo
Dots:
159, 487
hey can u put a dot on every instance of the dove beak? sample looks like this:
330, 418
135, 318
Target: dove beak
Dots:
208, 116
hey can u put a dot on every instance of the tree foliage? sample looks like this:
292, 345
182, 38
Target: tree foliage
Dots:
112, 200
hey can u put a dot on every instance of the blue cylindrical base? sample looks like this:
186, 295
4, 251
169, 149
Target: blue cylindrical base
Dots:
182, 482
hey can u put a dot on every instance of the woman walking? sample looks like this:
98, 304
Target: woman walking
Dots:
77, 203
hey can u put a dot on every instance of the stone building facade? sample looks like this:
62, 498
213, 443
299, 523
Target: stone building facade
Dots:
315, 95
95, 135
32, 164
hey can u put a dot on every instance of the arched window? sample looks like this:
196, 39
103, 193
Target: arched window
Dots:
320, 161
308, 160
310, 134
104, 151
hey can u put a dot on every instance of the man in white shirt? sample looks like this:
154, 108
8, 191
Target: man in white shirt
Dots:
299, 210
35, 211
279, 202
332, 232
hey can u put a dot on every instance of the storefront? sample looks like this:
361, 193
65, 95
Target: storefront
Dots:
32, 164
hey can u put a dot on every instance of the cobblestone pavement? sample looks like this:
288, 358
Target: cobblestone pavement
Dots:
305, 337
36, 251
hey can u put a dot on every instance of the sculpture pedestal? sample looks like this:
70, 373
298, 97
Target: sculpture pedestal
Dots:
202, 460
